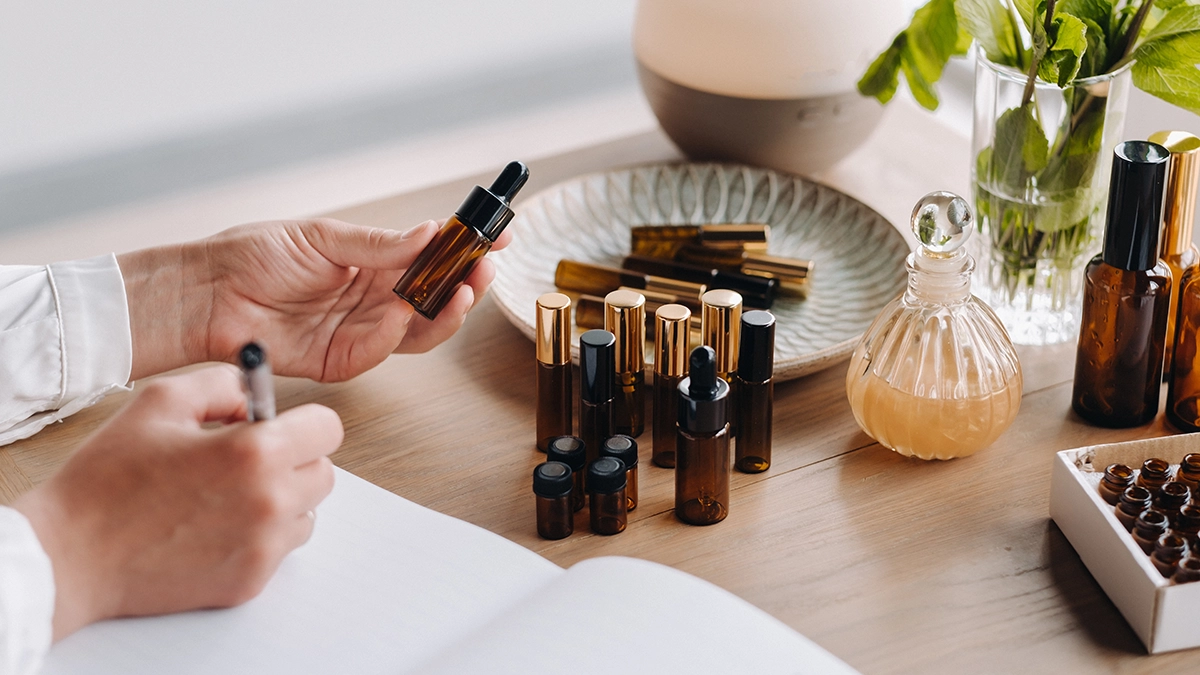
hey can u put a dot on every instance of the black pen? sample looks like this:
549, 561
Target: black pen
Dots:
260, 390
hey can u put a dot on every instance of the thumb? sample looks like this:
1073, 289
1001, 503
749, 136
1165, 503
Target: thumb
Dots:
368, 247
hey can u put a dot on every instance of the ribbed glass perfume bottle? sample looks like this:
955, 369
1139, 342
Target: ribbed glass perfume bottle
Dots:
936, 376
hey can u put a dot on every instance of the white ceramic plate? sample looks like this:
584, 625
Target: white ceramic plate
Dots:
858, 255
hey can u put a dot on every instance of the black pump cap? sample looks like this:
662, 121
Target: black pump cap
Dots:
569, 450
1135, 202
597, 365
606, 475
623, 448
756, 356
486, 209
702, 394
552, 480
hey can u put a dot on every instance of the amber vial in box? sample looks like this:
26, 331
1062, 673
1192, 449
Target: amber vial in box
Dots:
1148, 527
1155, 472
1133, 502
1116, 478
1169, 550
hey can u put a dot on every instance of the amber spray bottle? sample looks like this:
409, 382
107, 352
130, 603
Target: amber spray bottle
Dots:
754, 392
555, 400
466, 237
1127, 291
702, 445
671, 346
596, 364
1179, 208
625, 318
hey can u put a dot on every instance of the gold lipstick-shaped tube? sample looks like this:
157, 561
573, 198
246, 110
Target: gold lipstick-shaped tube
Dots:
554, 395
580, 277
721, 327
625, 318
662, 241
672, 344
791, 273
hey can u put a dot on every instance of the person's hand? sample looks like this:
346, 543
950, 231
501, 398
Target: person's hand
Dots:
317, 293
160, 512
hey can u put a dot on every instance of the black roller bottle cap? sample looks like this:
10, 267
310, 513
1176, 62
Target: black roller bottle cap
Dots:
597, 365
756, 355
755, 291
486, 209
569, 450
702, 394
623, 448
552, 480
1135, 201
606, 475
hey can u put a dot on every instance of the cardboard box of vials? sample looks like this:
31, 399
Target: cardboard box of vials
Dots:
1166, 616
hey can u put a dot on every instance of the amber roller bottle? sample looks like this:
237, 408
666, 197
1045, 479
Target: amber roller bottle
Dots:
555, 400
754, 392
1126, 294
596, 358
466, 237
702, 446
625, 318
671, 345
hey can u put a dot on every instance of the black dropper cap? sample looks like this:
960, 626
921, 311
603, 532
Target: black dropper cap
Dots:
756, 355
486, 209
552, 480
252, 356
597, 364
606, 475
623, 448
1135, 200
569, 450
702, 394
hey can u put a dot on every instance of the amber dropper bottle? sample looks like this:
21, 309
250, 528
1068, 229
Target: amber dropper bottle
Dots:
702, 446
466, 237
754, 392
1179, 208
597, 349
1126, 294
555, 399
625, 318
671, 346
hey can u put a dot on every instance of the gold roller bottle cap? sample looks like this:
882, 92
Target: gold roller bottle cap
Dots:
792, 273
672, 340
625, 318
720, 325
1182, 174
553, 329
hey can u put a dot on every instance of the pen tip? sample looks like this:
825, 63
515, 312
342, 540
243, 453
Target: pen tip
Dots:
252, 356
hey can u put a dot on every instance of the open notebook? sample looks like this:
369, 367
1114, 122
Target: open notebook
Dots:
387, 586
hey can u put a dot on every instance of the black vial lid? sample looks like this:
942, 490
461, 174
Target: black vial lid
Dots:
569, 450
623, 448
1135, 201
606, 475
702, 394
597, 365
756, 355
755, 291
552, 480
486, 209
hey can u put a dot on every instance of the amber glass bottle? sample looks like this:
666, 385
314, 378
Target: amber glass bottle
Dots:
1169, 550
702, 447
1179, 210
1154, 473
1148, 527
625, 449
1127, 291
1188, 570
1134, 500
555, 399
755, 291
609, 507
552, 486
597, 349
661, 241
671, 345
754, 392
1183, 390
1170, 498
569, 450
1116, 478
1189, 471
580, 277
589, 310
465, 238
625, 318
1187, 524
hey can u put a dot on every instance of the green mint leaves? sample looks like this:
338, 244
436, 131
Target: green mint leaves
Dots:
920, 52
1165, 64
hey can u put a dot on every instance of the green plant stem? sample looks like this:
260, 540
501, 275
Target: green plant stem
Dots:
1131, 35
1037, 60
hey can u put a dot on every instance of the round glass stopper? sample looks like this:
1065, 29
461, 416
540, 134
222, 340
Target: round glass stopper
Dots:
942, 222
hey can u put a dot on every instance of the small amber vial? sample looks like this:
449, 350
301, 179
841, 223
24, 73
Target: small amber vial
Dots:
1149, 526
1134, 500
1187, 524
1170, 549
625, 449
1188, 570
1116, 478
570, 450
1171, 497
552, 485
609, 504
1155, 472
1189, 471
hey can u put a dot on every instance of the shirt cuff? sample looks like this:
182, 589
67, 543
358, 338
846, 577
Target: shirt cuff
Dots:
97, 345
26, 596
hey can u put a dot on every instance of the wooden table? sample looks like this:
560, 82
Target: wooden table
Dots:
893, 564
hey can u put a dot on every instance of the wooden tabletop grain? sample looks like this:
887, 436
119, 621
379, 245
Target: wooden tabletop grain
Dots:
896, 565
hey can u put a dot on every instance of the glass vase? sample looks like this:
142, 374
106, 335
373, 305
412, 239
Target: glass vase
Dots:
1040, 172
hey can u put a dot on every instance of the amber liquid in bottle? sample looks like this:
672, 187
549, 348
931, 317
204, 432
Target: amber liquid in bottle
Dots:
666, 411
702, 443
554, 398
631, 404
754, 403
439, 270
1183, 390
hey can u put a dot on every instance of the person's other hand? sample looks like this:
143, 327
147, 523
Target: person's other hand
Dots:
161, 512
317, 293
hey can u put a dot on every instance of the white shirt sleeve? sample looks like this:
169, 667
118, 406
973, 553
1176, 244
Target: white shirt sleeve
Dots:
64, 341
26, 596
